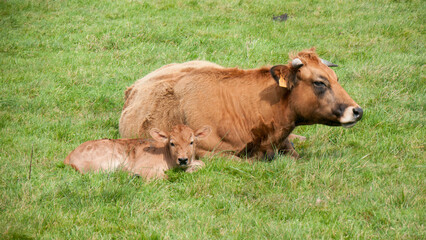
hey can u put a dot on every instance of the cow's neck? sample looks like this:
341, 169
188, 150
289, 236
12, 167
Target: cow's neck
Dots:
279, 126
285, 116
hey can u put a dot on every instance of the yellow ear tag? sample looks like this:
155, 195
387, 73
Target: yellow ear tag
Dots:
282, 83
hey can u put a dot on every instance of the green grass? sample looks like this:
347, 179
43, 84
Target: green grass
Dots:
64, 66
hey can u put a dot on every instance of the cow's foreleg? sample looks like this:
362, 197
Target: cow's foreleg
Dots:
287, 148
209, 154
291, 137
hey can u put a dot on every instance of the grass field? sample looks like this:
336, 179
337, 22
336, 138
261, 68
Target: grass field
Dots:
65, 65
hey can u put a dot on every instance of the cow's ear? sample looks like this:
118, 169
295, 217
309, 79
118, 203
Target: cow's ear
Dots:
159, 135
281, 74
203, 132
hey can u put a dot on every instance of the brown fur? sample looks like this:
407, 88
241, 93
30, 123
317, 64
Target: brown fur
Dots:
248, 111
146, 158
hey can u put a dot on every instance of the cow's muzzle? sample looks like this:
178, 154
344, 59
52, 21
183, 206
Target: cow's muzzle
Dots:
358, 113
351, 116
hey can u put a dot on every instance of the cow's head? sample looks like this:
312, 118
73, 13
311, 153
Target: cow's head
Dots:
181, 142
315, 94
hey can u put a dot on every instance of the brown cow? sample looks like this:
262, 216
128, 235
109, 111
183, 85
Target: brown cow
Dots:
149, 159
252, 112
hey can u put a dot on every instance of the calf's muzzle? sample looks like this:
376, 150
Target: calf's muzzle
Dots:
183, 161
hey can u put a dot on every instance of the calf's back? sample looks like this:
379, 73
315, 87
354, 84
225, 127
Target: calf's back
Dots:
138, 156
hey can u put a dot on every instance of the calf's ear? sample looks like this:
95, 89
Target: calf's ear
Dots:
159, 135
203, 132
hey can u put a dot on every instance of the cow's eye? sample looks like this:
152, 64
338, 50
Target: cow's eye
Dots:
319, 84
192, 142
172, 144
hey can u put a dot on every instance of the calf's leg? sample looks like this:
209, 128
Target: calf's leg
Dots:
195, 166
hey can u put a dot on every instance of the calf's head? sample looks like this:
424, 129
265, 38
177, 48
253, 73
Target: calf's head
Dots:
315, 95
181, 142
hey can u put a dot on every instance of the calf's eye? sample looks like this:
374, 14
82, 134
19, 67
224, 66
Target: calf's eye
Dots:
172, 144
192, 142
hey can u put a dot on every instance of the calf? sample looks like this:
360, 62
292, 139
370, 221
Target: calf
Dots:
146, 158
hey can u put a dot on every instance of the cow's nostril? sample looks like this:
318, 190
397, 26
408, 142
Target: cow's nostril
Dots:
183, 161
358, 113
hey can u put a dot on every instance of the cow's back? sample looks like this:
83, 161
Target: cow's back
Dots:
153, 97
